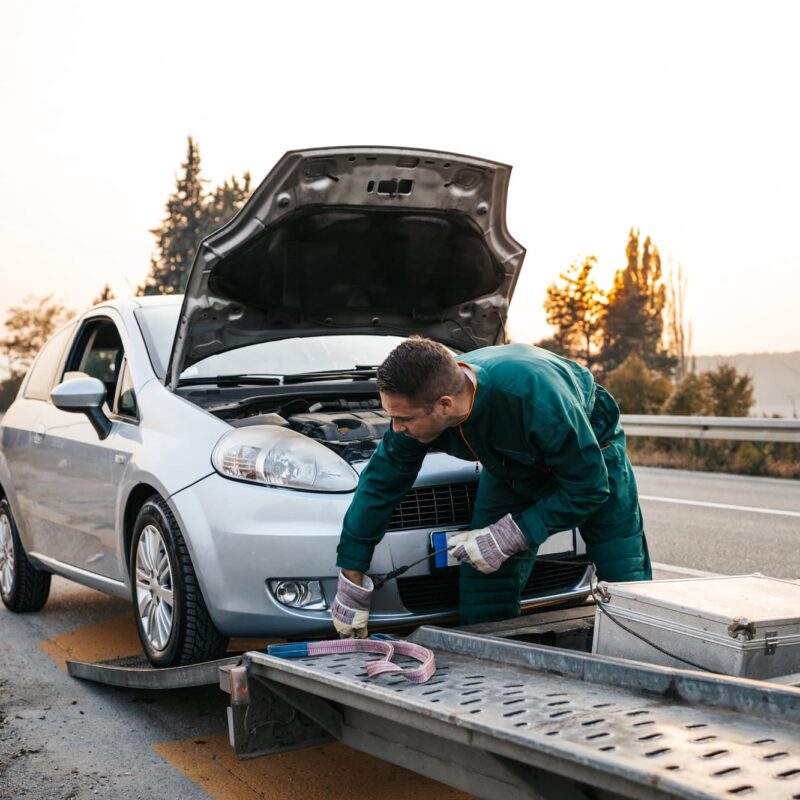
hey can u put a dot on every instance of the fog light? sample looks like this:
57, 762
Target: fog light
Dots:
299, 594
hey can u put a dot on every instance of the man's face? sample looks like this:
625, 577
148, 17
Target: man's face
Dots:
423, 423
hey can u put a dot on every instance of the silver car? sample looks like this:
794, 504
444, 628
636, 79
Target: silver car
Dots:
197, 453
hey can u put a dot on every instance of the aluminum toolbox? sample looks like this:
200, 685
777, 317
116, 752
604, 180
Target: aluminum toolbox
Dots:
746, 625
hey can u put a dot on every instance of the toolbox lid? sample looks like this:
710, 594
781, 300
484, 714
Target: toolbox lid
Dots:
755, 598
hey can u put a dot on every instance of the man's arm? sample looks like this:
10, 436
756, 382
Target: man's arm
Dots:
387, 477
570, 449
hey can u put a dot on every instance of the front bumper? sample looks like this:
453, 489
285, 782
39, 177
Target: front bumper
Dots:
241, 536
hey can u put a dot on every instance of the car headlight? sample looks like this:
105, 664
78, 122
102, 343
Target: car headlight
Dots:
278, 456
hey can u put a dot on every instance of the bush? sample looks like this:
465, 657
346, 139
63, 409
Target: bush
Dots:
772, 459
636, 388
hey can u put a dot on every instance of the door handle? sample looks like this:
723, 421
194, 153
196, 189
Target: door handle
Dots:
39, 432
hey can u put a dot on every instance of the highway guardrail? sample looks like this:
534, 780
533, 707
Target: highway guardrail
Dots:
752, 429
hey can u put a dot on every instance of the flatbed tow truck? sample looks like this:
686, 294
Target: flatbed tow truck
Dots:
516, 710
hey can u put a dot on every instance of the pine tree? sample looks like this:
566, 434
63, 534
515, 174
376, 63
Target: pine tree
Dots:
224, 202
191, 215
574, 308
181, 230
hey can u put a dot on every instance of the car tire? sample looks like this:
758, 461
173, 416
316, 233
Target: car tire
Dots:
23, 587
172, 619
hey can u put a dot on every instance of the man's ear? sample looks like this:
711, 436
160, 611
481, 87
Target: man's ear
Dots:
445, 404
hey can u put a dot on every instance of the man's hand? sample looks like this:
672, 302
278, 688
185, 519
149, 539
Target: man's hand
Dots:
486, 549
350, 610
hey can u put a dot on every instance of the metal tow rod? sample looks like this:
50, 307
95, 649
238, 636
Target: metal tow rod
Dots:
390, 576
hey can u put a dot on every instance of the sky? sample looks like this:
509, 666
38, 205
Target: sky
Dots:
678, 118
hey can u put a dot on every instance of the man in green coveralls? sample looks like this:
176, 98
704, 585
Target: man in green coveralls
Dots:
553, 456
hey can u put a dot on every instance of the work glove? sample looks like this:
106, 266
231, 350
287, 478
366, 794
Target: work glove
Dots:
486, 549
350, 610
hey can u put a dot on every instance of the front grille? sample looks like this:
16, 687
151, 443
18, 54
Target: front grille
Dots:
439, 592
435, 506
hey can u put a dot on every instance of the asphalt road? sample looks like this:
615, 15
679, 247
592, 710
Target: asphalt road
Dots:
62, 739
728, 524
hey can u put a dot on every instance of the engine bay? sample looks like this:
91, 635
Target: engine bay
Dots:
351, 428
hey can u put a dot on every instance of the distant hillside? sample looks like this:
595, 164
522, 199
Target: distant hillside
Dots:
776, 377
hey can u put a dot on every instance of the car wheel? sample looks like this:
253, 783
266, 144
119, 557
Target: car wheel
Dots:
23, 587
171, 615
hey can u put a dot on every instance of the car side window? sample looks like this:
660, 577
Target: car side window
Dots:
45, 368
126, 399
98, 353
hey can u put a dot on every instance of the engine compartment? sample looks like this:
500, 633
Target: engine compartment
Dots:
351, 428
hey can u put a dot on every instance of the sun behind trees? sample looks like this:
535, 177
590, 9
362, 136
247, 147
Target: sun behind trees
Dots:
636, 338
637, 341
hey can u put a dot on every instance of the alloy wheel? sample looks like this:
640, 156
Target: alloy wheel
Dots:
6, 555
154, 588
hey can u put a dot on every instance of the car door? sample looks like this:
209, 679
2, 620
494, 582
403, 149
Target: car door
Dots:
82, 473
22, 440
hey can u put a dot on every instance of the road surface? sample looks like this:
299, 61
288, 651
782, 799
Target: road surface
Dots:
61, 739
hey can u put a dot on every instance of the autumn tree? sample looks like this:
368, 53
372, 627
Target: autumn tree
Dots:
105, 294
574, 307
633, 318
28, 327
191, 214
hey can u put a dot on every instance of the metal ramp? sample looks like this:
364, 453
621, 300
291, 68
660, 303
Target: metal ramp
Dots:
136, 672
506, 719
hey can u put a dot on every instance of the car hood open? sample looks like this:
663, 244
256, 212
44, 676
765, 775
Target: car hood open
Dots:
378, 240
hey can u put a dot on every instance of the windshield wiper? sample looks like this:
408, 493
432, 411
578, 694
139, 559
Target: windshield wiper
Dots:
330, 375
233, 380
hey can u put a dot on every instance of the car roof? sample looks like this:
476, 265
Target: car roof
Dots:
130, 302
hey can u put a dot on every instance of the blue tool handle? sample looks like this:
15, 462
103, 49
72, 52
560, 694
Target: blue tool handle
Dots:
292, 650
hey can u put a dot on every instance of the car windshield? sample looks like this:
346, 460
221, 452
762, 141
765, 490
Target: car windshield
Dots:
283, 357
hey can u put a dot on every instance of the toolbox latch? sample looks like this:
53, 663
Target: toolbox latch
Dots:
770, 642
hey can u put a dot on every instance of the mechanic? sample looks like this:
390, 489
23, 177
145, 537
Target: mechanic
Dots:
553, 456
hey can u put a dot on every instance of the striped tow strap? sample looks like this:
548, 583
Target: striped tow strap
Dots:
377, 643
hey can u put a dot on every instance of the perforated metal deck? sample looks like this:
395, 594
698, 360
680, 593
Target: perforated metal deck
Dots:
623, 728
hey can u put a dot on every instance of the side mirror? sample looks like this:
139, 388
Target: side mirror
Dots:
84, 396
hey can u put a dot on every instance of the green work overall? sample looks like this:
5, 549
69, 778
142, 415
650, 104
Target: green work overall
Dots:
553, 455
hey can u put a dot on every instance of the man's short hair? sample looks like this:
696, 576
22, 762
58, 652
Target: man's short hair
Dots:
422, 370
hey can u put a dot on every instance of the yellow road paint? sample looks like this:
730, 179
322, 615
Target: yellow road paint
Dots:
331, 771
112, 638
116, 637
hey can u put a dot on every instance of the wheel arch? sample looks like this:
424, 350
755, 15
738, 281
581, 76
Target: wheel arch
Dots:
136, 499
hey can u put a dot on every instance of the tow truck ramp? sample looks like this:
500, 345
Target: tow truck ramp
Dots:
520, 721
